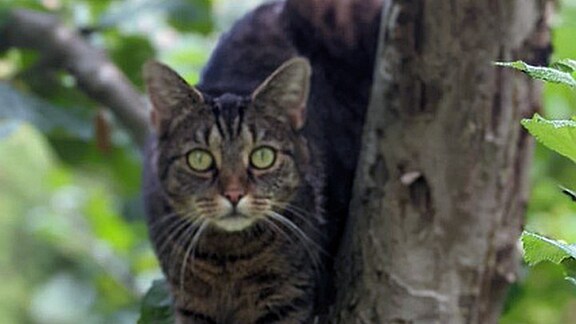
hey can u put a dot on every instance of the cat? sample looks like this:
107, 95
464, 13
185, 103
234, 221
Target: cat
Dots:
248, 174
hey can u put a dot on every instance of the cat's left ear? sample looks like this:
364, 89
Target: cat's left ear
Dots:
285, 92
169, 93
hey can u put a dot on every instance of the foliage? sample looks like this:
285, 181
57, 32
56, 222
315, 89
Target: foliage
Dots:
157, 305
538, 248
73, 241
557, 135
559, 72
73, 244
540, 297
48, 118
72, 235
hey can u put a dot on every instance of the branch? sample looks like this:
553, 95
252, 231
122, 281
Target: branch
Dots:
96, 75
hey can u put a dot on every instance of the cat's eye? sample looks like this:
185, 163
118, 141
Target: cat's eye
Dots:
200, 160
263, 157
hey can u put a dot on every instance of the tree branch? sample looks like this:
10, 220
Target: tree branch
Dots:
96, 75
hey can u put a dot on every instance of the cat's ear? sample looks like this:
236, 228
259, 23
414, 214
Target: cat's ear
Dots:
169, 94
285, 92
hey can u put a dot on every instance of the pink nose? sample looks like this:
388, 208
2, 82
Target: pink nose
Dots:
234, 195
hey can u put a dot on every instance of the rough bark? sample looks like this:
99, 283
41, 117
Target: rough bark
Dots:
441, 187
96, 75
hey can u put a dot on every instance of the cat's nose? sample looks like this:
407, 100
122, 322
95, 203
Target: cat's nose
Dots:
233, 188
234, 195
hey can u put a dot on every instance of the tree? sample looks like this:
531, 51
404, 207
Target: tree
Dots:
441, 186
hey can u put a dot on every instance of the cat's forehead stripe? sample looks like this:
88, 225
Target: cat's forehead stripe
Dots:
228, 111
246, 134
214, 136
230, 129
201, 136
265, 134
253, 132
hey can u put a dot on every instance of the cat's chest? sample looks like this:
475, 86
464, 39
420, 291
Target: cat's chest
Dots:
238, 265
241, 288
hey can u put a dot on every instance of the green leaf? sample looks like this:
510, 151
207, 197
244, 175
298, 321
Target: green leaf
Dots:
569, 193
191, 16
4, 15
130, 53
98, 7
538, 248
557, 135
107, 224
184, 15
549, 74
15, 105
157, 305
570, 268
565, 65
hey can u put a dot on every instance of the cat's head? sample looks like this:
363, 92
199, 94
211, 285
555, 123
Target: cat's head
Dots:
230, 161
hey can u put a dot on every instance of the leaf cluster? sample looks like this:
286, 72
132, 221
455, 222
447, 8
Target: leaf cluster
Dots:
538, 248
559, 136
73, 240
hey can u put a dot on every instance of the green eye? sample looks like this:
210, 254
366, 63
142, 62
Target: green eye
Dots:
263, 157
200, 160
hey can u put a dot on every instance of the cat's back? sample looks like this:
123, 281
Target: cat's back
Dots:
254, 47
339, 38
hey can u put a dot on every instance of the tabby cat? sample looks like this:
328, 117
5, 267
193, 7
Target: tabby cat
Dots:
234, 182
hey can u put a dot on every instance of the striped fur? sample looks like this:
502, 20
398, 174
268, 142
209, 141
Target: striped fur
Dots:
256, 262
269, 268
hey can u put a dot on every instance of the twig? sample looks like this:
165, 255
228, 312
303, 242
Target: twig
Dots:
96, 75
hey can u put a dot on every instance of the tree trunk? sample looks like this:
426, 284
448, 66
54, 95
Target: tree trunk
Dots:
441, 187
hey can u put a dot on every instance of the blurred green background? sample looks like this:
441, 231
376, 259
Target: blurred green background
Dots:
73, 244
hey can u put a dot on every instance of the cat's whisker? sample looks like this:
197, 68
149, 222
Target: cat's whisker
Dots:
173, 244
256, 201
180, 241
307, 241
190, 251
262, 197
177, 233
162, 219
178, 245
303, 216
316, 263
277, 229
169, 232
203, 205
300, 210
297, 230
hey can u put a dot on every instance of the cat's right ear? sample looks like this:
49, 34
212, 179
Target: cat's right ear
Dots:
169, 93
285, 91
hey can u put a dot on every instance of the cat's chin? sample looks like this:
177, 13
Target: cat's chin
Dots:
234, 223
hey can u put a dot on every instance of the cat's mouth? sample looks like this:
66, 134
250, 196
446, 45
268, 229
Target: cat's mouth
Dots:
234, 221
233, 214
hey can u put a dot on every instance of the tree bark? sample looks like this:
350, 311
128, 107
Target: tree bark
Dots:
441, 187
